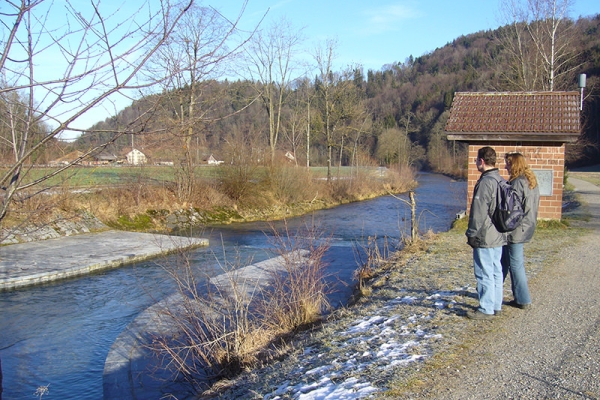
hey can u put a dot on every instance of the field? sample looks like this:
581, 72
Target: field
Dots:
84, 177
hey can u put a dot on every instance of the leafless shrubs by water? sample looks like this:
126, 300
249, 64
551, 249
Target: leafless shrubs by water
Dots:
218, 327
296, 294
208, 327
369, 257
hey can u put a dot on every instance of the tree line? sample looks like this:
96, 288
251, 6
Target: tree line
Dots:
342, 117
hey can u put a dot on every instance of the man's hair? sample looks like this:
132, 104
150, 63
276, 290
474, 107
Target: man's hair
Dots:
488, 155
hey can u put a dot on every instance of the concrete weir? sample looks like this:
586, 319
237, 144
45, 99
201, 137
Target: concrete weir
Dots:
132, 371
40, 262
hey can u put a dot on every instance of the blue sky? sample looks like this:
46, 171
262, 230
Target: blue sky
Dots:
378, 32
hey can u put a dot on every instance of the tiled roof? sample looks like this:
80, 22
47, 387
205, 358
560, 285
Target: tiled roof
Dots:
522, 112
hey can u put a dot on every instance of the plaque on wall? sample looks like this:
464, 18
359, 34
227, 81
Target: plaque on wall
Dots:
544, 178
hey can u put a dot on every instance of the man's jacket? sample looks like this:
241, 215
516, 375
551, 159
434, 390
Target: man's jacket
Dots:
481, 231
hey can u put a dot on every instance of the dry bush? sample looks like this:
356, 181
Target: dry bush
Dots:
238, 181
291, 184
207, 195
137, 198
298, 296
400, 179
341, 189
37, 209
214, 331
108, 204
232, 322
369, 257
367, 182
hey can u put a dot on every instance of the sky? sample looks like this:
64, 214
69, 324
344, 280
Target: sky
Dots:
374, 33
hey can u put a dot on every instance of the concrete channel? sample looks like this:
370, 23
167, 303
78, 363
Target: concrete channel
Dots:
39, 262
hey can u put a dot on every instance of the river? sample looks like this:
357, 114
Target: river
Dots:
59, 334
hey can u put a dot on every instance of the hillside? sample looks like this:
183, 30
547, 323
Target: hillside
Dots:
395, 115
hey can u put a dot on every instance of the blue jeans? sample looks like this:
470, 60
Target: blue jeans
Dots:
513, 263
488, 272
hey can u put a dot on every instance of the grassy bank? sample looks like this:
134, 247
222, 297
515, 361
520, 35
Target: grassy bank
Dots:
159, 199
445, 265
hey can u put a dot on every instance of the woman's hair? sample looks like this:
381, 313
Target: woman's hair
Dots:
518, 167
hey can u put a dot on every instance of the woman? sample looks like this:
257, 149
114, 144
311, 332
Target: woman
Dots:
522, 178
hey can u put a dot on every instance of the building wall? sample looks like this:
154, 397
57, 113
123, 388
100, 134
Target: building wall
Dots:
540, 156
136, 157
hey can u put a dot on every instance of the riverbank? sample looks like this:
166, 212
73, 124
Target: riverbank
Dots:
154, 209
410, 334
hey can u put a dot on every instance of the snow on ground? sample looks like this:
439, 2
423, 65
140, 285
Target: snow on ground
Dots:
377, 343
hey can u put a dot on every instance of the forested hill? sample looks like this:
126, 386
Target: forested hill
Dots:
395, 115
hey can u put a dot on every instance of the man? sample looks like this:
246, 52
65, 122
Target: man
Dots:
483, 237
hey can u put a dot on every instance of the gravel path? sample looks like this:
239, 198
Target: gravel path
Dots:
551, 350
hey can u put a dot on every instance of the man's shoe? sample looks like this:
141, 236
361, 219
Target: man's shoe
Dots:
514, 304
479, 315
497, 313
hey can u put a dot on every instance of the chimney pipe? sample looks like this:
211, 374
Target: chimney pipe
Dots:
581, 86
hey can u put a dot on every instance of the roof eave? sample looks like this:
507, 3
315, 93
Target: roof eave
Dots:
513, 136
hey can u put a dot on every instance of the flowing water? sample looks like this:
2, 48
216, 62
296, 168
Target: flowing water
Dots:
60, 334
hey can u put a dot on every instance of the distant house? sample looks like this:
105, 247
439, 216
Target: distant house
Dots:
213, 161
67, 159
104, 158
136, 157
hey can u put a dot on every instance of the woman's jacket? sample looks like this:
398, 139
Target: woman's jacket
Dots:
531, 201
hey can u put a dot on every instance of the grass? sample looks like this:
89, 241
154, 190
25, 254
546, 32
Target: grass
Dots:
84, 177
591, 177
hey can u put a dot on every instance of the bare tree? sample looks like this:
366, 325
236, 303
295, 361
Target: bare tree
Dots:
271, 62
324, 58
395, 145
293, 124
538, 44
304, 97
54, 75
407, 150
358, 131
336, 98
195, 57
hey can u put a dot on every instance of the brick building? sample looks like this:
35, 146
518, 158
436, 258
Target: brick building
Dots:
535, 124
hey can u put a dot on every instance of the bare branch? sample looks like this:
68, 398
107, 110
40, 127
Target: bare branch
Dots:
87, 61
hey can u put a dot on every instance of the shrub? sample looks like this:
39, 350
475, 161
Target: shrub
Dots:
296, 296
291, 184
232, 322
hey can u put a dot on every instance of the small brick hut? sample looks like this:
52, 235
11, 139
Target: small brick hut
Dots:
535, 124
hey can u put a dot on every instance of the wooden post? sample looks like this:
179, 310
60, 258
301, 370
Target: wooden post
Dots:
413, 216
